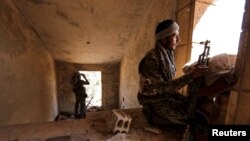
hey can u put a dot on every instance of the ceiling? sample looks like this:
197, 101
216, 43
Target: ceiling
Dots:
84, 31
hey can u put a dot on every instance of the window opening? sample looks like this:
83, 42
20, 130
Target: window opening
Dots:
221, 24
94, 89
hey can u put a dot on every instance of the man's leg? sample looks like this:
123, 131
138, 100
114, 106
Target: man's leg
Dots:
77, 109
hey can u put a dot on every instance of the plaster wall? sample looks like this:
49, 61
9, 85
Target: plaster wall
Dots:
110, 84
138, 46
27, 78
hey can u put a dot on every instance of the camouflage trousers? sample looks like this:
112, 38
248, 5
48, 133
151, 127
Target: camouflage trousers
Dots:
173, 107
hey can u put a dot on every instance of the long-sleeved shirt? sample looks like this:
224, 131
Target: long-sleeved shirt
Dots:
157, 70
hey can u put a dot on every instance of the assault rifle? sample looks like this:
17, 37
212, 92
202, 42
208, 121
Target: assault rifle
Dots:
193, 90
203, 57
195, 86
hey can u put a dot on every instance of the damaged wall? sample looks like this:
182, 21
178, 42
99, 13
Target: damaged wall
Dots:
141, 43
27, 78
110, 84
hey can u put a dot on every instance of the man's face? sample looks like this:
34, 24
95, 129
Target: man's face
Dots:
173, 40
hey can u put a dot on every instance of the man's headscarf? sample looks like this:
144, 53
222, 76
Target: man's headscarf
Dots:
173, 28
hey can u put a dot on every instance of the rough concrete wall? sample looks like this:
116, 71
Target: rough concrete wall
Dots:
27, 78
238, 110
110, 84
141, 43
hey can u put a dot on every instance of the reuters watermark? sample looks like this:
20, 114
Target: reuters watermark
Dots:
241, 132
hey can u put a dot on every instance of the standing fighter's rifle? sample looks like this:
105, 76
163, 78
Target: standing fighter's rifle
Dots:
193, 89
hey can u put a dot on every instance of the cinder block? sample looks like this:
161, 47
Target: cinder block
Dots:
120, 122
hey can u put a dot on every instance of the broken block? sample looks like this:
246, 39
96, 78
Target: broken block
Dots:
120, 121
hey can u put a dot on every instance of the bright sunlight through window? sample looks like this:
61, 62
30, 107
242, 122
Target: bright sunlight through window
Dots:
221, 24
94, 89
